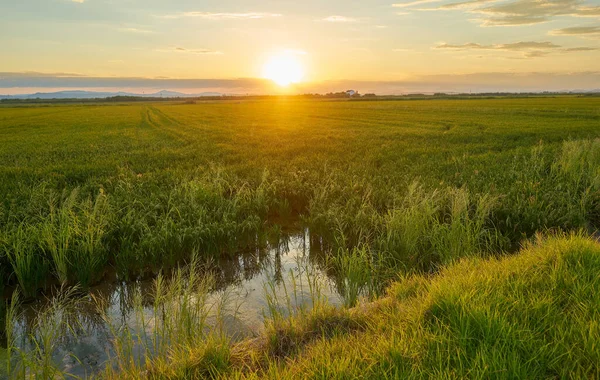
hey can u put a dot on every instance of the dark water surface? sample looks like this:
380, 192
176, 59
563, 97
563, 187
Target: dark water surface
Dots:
240, 287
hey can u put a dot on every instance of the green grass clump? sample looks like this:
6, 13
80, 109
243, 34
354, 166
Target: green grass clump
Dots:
360, 272
429, 229
73, 235
533, 315
216, 214
28, 262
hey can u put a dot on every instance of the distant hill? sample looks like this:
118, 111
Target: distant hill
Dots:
77, 94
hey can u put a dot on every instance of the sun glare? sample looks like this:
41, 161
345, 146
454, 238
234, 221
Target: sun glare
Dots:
283, 69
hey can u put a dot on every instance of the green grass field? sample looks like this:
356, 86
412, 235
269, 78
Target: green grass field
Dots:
395, 190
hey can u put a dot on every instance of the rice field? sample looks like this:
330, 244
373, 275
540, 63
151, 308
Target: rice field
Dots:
390, 193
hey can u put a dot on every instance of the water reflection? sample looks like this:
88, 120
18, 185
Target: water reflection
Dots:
82, 335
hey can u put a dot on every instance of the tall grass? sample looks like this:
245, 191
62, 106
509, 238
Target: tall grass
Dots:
391, 186
579, 167
215, 214
408, 224
465, 228
552, 189
361, 274
28, 262
73, 236
140, 227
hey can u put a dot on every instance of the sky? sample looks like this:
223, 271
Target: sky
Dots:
393, 46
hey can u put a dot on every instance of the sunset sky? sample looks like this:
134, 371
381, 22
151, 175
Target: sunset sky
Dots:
224, 45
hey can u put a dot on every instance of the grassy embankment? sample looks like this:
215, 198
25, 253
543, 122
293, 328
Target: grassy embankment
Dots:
531, 315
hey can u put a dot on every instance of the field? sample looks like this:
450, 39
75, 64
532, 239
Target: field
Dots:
415, 204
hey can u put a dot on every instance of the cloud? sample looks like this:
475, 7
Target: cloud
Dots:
518, 12
78, 1
583, 48
465, 4
578, 31
515, 46
528, 12
476, 82
178, 49
536, 54
340, 19
224, 15
67, 80
413, 3
529, 49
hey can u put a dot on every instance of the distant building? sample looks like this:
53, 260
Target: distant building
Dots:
351, 92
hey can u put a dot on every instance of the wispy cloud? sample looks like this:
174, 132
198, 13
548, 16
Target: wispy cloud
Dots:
517, 12
340, 19
583, 48
413, 3
465, 4
78, 1
529, 49
178, 49
477, 82
515, 46
224, 15
527, 12
578, 31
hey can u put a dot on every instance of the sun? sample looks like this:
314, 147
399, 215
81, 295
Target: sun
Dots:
283, 69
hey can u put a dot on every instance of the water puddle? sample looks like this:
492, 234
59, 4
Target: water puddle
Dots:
238, 292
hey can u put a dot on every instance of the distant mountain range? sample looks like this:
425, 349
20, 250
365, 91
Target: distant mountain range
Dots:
99, 95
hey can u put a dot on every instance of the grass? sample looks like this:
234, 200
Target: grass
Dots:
530, 315
361, 273
385, 187
73, 234
143, 185
29, 265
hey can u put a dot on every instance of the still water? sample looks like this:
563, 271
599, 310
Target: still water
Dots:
239, 289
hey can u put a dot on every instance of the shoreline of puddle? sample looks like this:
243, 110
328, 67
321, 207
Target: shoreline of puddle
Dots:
241, 280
